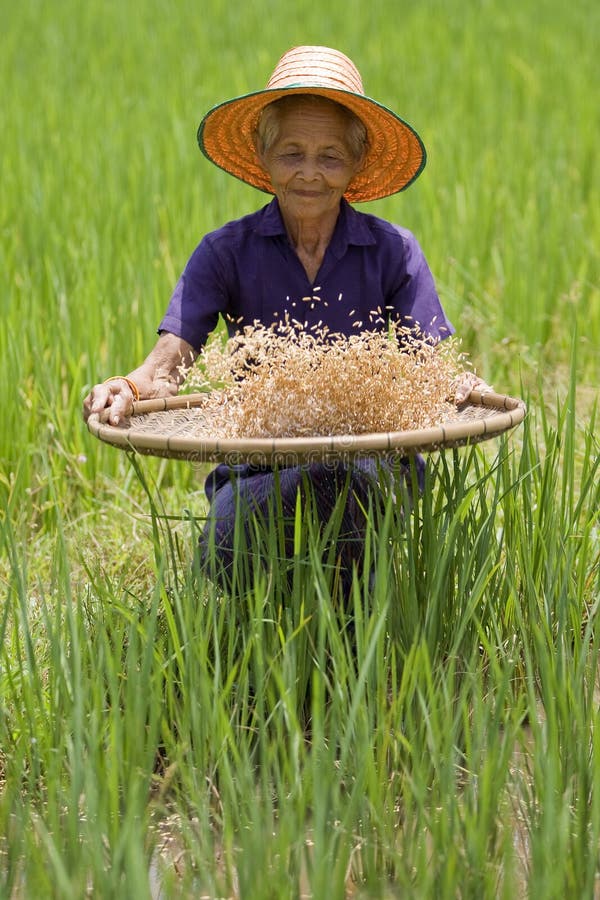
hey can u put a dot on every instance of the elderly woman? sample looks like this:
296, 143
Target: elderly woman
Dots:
314, 140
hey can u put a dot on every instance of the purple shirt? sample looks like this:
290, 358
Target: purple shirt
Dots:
248, 271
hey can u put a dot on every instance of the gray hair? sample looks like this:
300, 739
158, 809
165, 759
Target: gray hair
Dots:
269, 124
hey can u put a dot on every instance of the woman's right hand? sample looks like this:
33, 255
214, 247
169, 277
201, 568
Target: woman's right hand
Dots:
160, 375
111, 401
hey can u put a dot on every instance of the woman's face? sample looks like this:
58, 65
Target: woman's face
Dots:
310, 163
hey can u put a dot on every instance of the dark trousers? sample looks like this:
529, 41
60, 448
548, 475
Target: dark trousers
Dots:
246, 499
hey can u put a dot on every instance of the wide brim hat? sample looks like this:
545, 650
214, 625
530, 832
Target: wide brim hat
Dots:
395, 156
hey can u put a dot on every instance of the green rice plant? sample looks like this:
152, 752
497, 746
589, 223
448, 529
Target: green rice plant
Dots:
490, 671
436, 736
79, 737
279, 740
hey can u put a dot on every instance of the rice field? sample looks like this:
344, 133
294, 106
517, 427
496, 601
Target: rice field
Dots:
437, 735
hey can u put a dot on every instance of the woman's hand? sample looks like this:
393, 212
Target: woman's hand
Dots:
160, 375
468, 382
111, 401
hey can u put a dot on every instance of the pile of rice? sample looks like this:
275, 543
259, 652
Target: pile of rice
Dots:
286, 381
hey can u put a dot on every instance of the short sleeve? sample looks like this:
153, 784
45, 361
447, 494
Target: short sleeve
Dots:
198, 299
414, 298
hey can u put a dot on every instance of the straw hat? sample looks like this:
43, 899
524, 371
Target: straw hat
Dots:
396, 155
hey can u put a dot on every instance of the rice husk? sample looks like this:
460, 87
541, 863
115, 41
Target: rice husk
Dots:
289, 381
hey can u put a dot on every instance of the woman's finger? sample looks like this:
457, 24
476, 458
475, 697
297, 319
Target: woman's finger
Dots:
111, 401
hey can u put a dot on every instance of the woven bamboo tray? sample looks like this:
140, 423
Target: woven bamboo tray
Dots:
169, 428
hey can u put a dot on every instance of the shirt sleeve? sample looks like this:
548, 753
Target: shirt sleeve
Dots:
198, 299
415, 299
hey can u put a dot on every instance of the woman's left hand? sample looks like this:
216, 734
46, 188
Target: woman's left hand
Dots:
468, 382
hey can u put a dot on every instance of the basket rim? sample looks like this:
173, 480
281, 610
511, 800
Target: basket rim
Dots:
505, 412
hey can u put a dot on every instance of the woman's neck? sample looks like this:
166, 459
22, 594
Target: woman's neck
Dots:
310, 239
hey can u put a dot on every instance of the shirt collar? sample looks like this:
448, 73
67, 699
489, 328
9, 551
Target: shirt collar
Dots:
351, 227
269, 222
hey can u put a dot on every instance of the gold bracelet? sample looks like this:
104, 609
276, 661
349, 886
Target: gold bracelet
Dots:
131, 384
